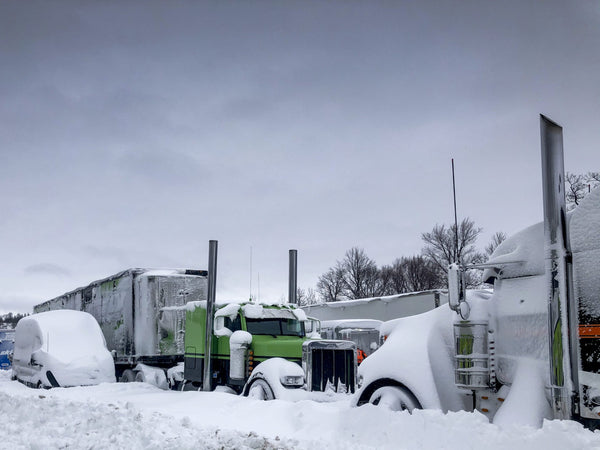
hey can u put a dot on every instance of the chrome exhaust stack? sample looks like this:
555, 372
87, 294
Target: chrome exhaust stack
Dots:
293, 277
210, 313
557, 255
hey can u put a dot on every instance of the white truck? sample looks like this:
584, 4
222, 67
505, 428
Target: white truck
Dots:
528, 349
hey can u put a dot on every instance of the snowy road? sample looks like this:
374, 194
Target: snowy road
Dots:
140, 416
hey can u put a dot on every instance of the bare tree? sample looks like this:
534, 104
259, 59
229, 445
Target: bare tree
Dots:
578, 185
393, 278
575, 189
361, 276
306, 297
411, 274
498, 238
443, 247
593, 179
422, 274
331, 285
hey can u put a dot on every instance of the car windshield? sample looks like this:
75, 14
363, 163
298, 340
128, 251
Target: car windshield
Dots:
275, 327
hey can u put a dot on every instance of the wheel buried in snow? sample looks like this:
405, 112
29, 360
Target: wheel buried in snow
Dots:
187, 385
260, 390
140, 377
128, 376
394, 398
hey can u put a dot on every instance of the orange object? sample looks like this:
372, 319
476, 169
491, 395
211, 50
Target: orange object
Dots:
360, 355
589, 331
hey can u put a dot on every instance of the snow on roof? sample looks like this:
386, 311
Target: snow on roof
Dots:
527, 246
384, 299
67, 334
165, 272
522, 254
352, 323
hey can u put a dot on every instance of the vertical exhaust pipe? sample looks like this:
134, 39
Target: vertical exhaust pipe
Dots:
210, 313
293, 277
557, 254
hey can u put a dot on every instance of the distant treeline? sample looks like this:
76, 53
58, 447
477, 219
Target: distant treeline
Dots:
10, 320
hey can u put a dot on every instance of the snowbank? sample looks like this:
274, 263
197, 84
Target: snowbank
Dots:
139, 416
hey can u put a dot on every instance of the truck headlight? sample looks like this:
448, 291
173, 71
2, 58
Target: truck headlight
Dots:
292, 380
360, 381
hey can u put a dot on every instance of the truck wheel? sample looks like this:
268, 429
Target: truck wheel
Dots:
140, 377
260, 390
394, 398
187, 385
128, 376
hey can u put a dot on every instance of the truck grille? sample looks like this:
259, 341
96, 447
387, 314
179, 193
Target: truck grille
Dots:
329, 363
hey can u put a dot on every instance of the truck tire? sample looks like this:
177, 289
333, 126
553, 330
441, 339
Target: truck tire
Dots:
394, 398
187, 385
260, 390
128, 376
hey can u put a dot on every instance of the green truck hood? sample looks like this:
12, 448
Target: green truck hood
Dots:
288, 347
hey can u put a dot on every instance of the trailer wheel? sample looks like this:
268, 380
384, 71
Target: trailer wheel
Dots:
394, 398
140, 377
187, 385
128, 376
260, 390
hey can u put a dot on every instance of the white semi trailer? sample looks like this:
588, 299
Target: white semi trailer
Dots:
530, 349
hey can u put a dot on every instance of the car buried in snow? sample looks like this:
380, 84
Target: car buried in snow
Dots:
61, 349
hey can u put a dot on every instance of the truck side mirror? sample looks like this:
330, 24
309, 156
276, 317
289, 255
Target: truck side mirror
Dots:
456, 287
312, 325
219, 328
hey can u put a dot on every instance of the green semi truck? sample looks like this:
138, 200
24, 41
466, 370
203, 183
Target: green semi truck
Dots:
264, 351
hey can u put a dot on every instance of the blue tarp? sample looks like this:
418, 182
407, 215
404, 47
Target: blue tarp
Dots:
7, 343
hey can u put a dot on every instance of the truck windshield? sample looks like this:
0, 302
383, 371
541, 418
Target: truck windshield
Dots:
275, 327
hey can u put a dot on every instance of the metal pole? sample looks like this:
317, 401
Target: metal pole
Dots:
210, 308
556, 254
293, 277
455, 217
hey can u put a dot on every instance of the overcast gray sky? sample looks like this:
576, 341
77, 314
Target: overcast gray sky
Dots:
131, 133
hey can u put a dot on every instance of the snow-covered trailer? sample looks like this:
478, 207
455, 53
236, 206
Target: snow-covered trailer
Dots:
379, 308
139, 312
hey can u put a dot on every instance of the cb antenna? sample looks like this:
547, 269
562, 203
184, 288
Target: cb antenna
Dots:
455, 216
250, 298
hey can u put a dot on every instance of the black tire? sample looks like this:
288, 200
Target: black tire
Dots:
127, 376
260, 390
187, 385
394, 398
140, 377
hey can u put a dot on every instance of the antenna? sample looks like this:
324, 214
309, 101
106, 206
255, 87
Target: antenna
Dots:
250, 298
455, 216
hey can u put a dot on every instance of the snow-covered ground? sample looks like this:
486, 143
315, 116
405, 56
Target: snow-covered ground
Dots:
140, 416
